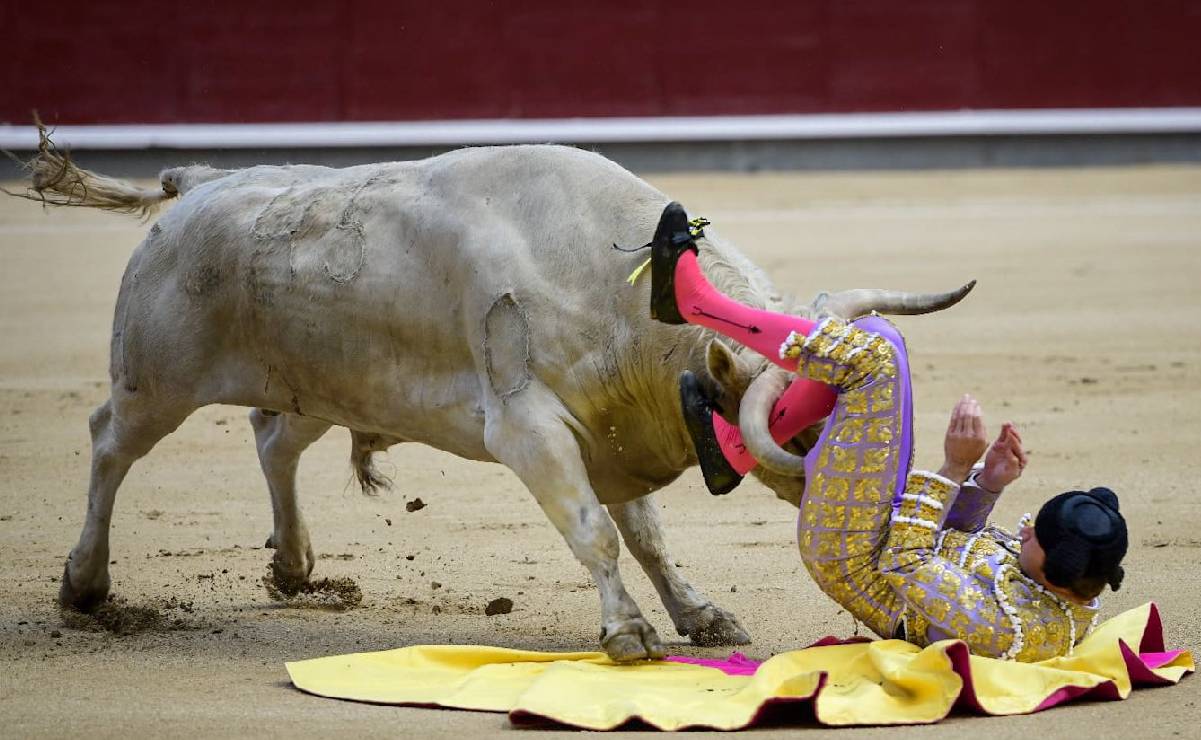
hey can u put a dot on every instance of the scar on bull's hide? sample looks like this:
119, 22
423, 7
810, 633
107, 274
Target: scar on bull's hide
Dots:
321, 226
203, 281
507, 347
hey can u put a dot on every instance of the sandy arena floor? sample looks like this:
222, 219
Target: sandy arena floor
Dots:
1085, 330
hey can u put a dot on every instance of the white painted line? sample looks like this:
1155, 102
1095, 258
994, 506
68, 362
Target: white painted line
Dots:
616, 130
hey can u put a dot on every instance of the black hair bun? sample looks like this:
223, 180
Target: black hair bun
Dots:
1084, 537
1116, 576
1105, 496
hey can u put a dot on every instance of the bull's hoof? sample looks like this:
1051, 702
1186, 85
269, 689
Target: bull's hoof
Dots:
79, 598
634, 640
287, 581
712, 626
291, 565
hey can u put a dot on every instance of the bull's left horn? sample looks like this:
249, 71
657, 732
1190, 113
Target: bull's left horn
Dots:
756, 405
849, 304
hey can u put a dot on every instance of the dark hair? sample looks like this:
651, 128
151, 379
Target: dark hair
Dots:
1084, 537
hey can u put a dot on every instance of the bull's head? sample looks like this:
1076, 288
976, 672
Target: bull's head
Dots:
748, 385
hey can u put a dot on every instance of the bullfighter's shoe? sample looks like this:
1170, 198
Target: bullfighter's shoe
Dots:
720, 477
672, 237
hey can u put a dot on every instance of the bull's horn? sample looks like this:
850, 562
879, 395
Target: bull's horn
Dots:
849, 304
756, 405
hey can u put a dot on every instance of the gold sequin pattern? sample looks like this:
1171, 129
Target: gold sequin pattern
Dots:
841, 354
847, 505
880, 567
943, 599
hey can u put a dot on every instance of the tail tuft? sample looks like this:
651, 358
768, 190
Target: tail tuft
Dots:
56, 180
363, 447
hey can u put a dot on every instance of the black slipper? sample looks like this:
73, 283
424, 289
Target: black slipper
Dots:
672, 237
720, 477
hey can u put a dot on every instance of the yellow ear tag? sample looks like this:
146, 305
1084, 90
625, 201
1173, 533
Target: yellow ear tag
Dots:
637, 273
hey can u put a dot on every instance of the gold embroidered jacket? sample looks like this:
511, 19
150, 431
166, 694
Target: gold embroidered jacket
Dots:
968, 584
894, 546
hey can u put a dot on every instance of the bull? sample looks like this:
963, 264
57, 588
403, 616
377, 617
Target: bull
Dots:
472, 302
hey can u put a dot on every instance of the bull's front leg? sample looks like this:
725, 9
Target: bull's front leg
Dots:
694, 615
526, 433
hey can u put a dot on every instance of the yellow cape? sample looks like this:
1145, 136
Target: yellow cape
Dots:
881, 682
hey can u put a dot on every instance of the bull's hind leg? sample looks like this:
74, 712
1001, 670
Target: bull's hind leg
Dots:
123, 429
280, 438
527, 433
695, 616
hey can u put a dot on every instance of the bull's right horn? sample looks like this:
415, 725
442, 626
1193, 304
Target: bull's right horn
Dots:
753, 414
849, 304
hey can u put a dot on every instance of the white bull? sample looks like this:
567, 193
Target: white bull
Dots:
473, 302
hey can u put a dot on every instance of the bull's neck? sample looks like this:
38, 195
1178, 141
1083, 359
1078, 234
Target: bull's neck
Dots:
667, 353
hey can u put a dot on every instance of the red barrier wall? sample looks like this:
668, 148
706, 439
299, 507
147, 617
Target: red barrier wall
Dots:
271, 61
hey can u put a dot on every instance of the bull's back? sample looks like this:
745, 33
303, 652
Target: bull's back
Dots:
359, 294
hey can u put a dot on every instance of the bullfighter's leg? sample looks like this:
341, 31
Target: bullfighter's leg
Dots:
280, 439
681, 293
124, 428
695, 616
859, 468
805, 401
763, 331
528, 433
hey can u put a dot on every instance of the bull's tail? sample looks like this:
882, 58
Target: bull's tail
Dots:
56, 180
363, 447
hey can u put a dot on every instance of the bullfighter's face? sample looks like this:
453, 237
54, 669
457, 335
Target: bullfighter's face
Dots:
1033, 557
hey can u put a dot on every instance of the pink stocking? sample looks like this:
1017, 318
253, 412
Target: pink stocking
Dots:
702, 304
802, 403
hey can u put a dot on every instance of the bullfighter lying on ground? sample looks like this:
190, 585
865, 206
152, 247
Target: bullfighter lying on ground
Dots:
907, 552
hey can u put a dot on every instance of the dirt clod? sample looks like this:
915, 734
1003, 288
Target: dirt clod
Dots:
414, 505
498, 606
120, 617
337, 594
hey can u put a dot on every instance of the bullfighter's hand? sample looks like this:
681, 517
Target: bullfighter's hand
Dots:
966, 439
1005, 460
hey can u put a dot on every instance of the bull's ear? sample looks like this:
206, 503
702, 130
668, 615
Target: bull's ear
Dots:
727, 369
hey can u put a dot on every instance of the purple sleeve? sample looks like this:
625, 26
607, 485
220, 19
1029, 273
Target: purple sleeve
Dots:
939, 594
970, 510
